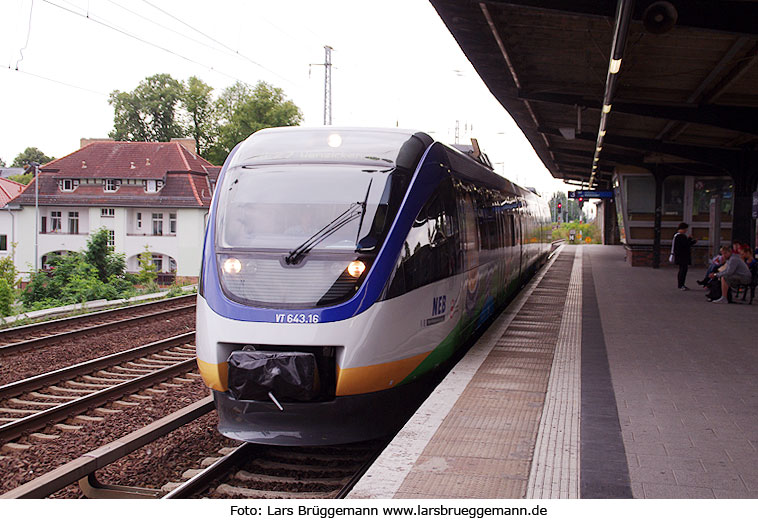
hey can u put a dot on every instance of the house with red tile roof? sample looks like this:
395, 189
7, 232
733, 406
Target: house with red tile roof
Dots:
9, 189
153, 195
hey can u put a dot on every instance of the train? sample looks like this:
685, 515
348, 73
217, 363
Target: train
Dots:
341, 266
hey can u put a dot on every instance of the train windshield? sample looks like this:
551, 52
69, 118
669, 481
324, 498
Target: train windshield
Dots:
287, 235
283, 207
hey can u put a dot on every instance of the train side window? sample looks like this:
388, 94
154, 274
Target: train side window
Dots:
429, 251
512, 230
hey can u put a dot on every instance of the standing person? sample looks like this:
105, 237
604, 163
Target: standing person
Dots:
681, 248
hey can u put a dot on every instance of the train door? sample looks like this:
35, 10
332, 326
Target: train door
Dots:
519, 240
469, 247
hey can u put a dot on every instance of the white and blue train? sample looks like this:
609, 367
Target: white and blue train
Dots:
340, 266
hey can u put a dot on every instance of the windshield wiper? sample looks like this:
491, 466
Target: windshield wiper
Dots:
363, 212
349, 215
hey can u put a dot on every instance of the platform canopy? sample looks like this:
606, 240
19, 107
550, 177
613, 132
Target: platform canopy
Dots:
679, 78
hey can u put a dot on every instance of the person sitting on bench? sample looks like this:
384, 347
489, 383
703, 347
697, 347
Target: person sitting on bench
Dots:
717, 261
735, 273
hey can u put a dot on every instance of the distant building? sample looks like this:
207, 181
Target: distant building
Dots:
8, 191
9, 172
153, 194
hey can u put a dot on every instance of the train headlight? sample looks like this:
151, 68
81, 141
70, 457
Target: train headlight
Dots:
356, 269
232, 265
334, 140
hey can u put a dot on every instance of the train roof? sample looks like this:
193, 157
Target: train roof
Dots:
381, 147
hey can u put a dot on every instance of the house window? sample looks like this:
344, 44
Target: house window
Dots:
111, 239
153, 186
157, 224
172, 223
158, 262
107, 212
139, 220
172, 265
55, 221
69, 184
3, 243
73, 222
112, 184
43, 225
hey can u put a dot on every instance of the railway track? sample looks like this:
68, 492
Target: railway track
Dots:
55, 331
271, 472
46, 400
246, 471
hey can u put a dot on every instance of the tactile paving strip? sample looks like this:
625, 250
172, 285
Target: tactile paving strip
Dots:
556, 467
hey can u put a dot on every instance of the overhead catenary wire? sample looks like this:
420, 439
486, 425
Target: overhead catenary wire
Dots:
245, 57
144, 41
28, 34
162, 26
61, 82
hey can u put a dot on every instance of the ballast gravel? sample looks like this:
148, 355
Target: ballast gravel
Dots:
151, 466
20, 365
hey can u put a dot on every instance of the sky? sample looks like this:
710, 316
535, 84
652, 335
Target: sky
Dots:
394, 64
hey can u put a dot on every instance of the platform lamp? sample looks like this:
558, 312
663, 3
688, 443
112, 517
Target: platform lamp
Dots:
29, 168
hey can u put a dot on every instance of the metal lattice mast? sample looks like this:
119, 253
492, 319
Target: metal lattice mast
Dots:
327, 85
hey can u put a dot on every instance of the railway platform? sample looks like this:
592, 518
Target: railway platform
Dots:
599, 380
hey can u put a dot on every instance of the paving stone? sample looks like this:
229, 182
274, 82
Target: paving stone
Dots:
668, 491
722, 481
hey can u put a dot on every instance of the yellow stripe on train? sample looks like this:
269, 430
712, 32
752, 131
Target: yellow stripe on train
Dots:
215, 375
365, 379
350, 381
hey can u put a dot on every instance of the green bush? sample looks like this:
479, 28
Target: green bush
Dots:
588, 230
6, 298
8, 270
96, 273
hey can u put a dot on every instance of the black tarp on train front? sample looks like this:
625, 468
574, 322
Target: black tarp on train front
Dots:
288, 375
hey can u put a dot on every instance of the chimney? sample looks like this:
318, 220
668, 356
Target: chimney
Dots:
84, 142
189, 143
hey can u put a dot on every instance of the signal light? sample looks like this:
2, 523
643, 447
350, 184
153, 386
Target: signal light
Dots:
581, 199
560, 205
356, 268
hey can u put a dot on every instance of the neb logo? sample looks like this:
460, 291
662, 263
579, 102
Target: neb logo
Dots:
439, 304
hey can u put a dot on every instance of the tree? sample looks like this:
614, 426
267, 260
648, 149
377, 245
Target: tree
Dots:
162, 108
147, 273
102, 256
149, 113
6, 299
201, 112
7, 280
571, 209
8, 271
558, 198
243, 111
2, 163
22, 178
30, 154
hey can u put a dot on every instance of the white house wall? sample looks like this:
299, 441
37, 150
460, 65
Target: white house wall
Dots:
185, 247
7, 229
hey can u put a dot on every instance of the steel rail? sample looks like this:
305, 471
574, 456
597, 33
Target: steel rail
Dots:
44, 340
90, 316
90, 462
345, 490
48, 378
77, 406
202, 480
